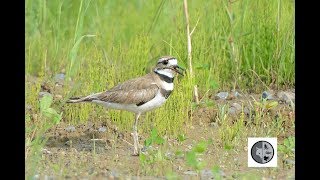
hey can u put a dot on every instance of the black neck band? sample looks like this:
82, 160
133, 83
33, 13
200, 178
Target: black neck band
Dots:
164, 77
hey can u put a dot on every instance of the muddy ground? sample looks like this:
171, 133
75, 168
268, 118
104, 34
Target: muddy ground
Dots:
99, 150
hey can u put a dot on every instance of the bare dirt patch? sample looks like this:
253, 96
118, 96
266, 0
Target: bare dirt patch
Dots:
101, 150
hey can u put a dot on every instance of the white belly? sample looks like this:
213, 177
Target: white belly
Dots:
156, 102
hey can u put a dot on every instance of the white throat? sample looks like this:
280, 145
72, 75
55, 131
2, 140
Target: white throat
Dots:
166, 72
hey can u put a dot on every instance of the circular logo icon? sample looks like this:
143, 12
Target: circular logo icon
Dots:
262, 152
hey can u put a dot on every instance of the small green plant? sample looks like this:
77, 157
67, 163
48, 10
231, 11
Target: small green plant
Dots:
48, 112
266, 105
34, 144
171, 176
229, 130
222, 113
153, 156
277, 127
216, 171
213, 84
204, 103
288, 146
155, 162
179, 153
191, 157
261, 109
227, 136
154, 138
200, 147
181, 137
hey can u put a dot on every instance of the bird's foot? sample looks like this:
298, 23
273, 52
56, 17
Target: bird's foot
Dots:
135, 153
136, 150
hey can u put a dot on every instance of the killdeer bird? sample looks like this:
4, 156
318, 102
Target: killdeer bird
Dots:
139, 95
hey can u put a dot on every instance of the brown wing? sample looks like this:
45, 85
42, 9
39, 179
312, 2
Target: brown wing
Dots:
136, 91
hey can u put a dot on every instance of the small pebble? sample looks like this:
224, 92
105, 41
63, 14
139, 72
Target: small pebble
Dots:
236, 94
232, 110
114, 174
233, 95
235, 108
68, 143
59, 78
286, 97
46, 177
289, 161
222, 95
91, 170
58, 96
28, 107
222, 173
70, 129
266, 95
200, 159
102, 129
206, 174
37, 176
169, 155
41, 94
144, 149
246, 111
192, 173
45, 151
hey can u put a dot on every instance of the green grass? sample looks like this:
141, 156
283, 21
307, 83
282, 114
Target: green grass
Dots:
245, 44
129, 34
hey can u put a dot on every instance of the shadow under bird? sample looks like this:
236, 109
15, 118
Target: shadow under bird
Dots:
139, 95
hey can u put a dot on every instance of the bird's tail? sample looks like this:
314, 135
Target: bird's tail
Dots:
82, 99
76, 100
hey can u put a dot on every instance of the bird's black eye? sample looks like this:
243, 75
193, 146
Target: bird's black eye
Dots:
165, 62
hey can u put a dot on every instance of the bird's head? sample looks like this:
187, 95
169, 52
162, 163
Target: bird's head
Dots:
168, 65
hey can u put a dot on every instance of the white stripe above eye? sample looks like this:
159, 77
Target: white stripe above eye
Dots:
173, 62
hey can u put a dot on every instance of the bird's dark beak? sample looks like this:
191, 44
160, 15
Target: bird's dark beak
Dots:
178, 69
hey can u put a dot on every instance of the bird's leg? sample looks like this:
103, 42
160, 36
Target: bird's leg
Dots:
135, 135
